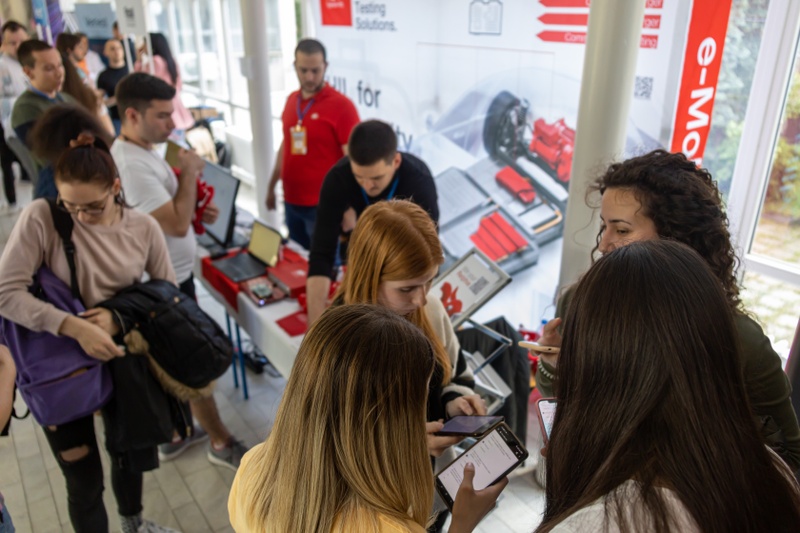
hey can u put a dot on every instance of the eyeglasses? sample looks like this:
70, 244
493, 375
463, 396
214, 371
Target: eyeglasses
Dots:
92, 210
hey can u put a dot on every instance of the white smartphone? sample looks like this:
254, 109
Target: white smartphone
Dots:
536, 347
495, 455
546, 411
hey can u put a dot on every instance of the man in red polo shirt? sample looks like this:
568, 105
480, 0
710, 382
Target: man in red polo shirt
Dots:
317, 121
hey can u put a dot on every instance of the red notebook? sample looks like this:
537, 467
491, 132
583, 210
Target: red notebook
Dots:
294, 324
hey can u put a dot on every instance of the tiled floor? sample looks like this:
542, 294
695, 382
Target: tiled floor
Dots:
189, 493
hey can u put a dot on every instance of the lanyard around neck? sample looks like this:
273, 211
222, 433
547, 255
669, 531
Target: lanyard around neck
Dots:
301, 114
392, 190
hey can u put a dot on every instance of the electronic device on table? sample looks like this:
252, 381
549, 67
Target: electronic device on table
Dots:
221, 234
262, 251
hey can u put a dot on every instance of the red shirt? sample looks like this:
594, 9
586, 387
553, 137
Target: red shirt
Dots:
328, 123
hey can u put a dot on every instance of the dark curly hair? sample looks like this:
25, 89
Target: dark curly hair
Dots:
685, 205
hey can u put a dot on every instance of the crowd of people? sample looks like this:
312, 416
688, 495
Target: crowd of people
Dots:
673, 411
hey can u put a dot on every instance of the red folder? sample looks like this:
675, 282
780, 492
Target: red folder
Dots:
294, 324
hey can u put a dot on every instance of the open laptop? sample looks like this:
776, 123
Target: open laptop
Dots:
262, 251
226, 187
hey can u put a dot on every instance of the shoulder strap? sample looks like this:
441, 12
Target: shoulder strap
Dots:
63, 224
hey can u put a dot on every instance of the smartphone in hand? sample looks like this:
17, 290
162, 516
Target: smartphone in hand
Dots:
495, 455
536, 347
468, 426
546, 411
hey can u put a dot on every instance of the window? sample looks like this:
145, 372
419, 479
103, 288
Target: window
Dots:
764, 199
208, 41
742, 43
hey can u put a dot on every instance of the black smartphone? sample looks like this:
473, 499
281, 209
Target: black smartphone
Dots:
495, 455
468, 426
546, 411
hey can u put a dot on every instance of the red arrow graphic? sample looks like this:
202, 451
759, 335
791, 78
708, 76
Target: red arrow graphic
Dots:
651, 4
651, 22
565, 19
566, 3
563, 36
579, 37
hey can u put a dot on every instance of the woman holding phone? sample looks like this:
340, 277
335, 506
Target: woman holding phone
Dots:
653, 430
661, 195
348, 448
393, 255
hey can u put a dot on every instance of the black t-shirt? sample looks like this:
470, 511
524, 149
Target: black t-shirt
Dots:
340, 191
107, 81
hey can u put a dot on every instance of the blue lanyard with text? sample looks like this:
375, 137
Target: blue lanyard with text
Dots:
391, 192
301, 114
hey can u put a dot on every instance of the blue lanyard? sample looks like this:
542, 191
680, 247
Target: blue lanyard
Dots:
36, 91
301, 114
391, 192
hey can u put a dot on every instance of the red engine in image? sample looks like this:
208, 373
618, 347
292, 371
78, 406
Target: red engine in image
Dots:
554, 144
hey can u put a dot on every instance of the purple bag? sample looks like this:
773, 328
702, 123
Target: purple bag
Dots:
57, 379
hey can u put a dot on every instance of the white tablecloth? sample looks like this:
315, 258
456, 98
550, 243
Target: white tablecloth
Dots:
260, 322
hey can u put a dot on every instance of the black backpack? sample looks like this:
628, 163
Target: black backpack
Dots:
185, 342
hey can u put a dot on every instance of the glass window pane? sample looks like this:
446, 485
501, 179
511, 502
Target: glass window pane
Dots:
776, 306
187, 51
742, 42
777, 235
210, 37
239, 94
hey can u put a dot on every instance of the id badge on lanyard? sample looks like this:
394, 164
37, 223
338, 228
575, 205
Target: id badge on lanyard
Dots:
299, 140
299, 133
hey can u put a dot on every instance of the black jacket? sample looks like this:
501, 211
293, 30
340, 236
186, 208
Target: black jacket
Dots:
185, 342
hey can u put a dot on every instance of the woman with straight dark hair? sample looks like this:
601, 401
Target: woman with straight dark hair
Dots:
166, 68
348, 450
660, 195
114, 247
85, 95
653, 430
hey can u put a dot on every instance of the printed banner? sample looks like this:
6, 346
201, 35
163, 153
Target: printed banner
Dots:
486, 93
701, 64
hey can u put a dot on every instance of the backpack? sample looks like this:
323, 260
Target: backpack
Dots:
57, 379
186, 343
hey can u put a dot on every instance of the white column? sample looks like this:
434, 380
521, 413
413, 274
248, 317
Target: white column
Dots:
255, 65
612, 45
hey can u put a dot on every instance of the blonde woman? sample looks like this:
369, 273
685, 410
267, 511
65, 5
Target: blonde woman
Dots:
393, 256
348, 450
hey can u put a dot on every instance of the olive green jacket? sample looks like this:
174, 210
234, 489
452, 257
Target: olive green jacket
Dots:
765, 381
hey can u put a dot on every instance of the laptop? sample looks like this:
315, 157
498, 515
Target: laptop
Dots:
226, 187
262, 251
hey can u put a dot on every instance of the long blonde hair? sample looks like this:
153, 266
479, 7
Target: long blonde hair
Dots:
394, 241
349, 437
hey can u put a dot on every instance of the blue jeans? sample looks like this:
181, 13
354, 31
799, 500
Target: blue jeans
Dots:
300, 220
6, 525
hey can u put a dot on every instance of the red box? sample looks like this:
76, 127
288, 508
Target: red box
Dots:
228, 288
290, 273
518, 186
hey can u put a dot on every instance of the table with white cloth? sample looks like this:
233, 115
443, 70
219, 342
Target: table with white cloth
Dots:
260, 324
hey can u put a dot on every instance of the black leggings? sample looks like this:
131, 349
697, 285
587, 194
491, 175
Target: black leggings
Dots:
7, 157
84, 477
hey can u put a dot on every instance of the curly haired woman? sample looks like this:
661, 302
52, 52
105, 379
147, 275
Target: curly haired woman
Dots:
661, 195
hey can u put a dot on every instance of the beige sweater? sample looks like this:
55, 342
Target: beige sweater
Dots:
107, 260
